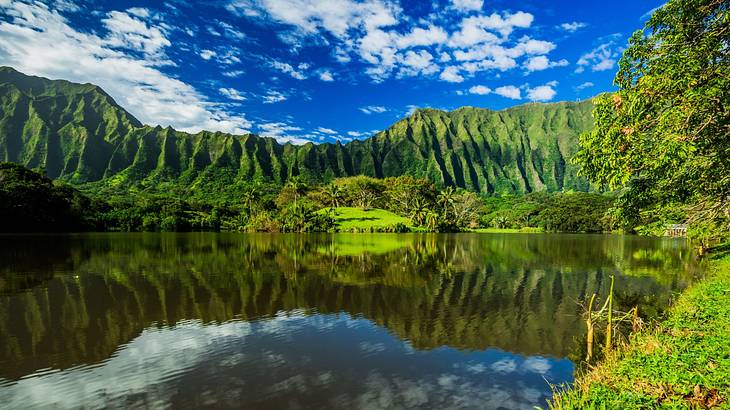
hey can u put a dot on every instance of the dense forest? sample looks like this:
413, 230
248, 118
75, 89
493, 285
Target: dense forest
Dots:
34, 202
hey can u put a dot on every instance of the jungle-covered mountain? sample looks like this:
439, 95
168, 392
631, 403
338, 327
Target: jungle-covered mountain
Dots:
79, 134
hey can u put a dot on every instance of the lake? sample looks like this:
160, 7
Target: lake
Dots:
266, 321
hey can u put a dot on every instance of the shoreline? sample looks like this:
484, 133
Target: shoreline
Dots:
681, 362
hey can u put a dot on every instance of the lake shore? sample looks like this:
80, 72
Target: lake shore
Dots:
682, 362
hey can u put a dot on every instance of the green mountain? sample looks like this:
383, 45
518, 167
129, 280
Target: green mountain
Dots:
79, 134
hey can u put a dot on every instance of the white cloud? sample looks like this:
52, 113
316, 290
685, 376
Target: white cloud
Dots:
373, 109
207, 54
480, 90
585, 85
232, 94
125, 62
391, 44
231, 32
468, 5
326, 130
128, 31
451, 74
572, 27
601, 58
422, 37
233, 73
509, 91
298, 73
282, 132
543, 92
310, 16
420, 62
539, 63
273, 97
411, 108
326, 76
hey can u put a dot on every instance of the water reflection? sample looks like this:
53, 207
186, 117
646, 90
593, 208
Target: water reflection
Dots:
316, 321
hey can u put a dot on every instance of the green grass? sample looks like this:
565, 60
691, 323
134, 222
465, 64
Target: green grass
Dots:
371, 220
683, 362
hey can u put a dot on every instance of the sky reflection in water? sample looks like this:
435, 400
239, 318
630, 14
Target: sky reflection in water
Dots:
297, 322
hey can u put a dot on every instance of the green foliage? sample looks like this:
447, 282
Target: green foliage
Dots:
558, 212
682, 363
575, 212
30, 201
665, 133
80, 135
302, 217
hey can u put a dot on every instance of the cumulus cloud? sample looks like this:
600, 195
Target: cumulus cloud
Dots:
207, 54
373, 31
272, 96
539, 63
451, 74
601, 58
585, 85
233, 73
544, 92
373, 109
324, 130
286, 68
282, 132
325, 75
509, 91
128, 30
468, 5
232, 94
480, 90
125, 61
572, 27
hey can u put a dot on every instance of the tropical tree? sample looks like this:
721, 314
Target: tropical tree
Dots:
446, 200
297, 186
419, 211
665, 134
432, 221
250, 197
333, 194
466, 208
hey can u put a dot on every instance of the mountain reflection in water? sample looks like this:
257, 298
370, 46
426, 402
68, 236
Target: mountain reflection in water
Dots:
309, 321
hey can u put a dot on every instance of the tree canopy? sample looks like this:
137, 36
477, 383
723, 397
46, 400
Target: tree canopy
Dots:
665, 134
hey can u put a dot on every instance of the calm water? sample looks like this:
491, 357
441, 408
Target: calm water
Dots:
309, 321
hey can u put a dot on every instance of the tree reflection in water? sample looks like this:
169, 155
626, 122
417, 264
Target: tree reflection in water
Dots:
314, 320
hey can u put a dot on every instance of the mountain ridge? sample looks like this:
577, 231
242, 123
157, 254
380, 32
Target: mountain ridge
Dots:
79, 134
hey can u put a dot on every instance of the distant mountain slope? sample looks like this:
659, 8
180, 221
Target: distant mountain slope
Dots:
79, 134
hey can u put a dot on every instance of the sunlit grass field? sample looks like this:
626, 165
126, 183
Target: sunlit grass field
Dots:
360, 220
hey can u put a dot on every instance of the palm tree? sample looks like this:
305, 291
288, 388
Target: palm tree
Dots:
298, 186
250, 197
334, 195
418, 212
432, 221
446, 199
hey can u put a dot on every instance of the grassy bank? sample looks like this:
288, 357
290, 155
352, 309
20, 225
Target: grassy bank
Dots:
684, 362
348, 219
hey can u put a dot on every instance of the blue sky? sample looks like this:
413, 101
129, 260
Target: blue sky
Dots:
319, 70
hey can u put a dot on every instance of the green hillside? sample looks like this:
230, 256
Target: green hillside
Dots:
79, 134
